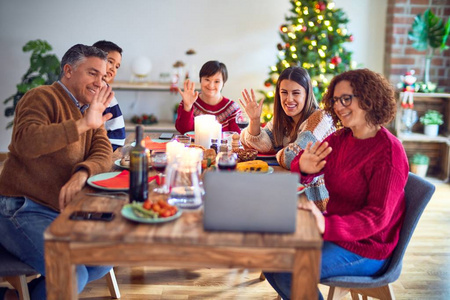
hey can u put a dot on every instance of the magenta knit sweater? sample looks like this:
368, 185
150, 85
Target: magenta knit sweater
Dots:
366, 181
225, 112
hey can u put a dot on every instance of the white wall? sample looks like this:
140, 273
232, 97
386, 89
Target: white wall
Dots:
241, 33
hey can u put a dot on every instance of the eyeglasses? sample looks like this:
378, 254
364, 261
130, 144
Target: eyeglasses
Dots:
346, 100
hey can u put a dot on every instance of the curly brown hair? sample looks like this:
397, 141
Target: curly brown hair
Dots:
375, 94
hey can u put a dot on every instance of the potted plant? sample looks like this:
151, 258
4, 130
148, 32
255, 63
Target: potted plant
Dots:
175, 111
44, 69
431, 121
429, 33
419, 164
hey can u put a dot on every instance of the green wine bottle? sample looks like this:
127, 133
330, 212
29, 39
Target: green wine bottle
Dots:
139, 156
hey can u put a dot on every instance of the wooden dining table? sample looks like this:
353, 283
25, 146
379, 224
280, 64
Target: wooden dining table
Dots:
181, 243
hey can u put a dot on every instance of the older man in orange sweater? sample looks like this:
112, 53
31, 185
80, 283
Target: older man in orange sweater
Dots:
58, 141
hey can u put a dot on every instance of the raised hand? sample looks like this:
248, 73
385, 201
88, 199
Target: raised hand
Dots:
252, 108
313, 158
94, 117
189, 94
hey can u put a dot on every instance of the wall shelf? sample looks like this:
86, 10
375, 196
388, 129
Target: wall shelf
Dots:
140, 86
436, 148
161, 126
144, 86
422, 138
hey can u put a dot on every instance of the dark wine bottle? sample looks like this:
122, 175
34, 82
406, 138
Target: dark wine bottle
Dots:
139, 157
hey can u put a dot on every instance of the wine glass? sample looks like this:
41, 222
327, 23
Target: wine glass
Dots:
242, 120
158, 161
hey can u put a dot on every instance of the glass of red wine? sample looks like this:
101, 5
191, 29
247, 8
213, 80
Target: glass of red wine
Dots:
226, 161
158, 161
242, 120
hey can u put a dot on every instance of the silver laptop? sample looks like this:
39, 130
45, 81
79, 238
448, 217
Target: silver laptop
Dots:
250, 202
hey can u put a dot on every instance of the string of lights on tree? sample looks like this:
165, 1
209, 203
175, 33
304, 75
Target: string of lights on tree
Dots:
313, 38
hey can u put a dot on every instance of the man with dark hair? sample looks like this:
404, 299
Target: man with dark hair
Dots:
58, 141
115, 127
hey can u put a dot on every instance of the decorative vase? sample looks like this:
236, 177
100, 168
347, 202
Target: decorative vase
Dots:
420, 170
141, 67
426, 77
409, 118
431, 130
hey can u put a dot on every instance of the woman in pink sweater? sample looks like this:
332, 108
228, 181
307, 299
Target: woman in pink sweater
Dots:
365, 170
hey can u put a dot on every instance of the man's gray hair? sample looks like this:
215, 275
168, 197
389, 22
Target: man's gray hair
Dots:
77, 54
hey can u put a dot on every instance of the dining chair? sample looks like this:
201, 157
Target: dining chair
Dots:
14, 271
418, 193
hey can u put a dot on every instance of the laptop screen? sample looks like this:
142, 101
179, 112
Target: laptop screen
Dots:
250, 202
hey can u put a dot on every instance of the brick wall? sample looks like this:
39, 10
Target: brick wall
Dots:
400, 56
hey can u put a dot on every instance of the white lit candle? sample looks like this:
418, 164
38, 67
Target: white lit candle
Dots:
206, 128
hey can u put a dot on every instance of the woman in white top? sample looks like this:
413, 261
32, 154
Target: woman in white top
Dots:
296, 121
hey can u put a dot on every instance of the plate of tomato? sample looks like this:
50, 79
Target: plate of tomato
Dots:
151, 212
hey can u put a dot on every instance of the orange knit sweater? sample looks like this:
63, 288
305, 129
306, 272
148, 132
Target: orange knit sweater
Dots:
46, 148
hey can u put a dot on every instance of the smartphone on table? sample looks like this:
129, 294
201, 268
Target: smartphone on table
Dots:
92, 215
166, 136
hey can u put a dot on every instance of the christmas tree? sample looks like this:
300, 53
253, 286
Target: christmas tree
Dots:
312, 38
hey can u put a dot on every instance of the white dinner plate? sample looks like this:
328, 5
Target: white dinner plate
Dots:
103, 176
269, 171
117, 163
127, 213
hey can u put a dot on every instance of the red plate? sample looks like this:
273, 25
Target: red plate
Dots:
267, 155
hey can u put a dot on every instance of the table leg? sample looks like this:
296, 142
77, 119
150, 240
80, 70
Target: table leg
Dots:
60, 274
305, 274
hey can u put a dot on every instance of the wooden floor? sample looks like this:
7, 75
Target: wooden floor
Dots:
425, 275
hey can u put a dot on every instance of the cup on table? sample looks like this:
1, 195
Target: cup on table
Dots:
184, 139
226, 161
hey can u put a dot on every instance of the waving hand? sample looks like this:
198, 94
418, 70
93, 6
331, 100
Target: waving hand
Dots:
94, 117
313, 158
253, 109
189, 95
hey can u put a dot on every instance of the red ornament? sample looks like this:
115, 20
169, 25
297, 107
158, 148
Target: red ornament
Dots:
350, 38
287, 45
304, 28
336, 60
283, 28
320, 6
267, 84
